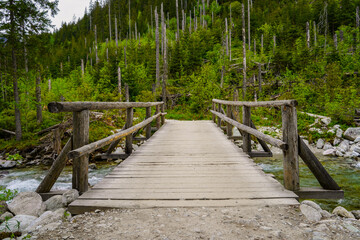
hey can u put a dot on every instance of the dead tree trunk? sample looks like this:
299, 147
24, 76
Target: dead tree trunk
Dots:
129, 22
230, 27
315, 37
119, 82
49, 84
307, 34
109, 21
157, 48
226, 37
38, 99
249, 34
116, 35
96, 48
335, 41
262, 43
190, 24
177, 20
82, 68
244, 52
204, 13
125, 62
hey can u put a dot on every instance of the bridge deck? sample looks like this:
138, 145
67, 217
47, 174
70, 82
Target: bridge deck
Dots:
185, 164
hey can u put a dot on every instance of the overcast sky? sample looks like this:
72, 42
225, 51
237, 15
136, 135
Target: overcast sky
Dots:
67, 10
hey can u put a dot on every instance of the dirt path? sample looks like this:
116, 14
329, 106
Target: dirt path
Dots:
266, 222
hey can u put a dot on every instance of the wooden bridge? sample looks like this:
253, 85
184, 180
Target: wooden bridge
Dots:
188, 163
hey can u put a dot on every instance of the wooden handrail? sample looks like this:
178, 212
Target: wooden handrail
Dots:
273, 141
278, 103
57, 107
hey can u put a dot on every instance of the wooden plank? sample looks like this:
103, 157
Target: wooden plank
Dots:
47, 195
315, 166
278, 103
158, 120
291, 158
260, 154
112, 156
56, 107
81, 206
319, 193
246, 136
262, 143
148, 127
80, 139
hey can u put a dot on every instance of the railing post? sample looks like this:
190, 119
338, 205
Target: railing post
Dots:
158, 121
128, 124
148, 127
291, 157
246, 136
162, 116
228, 125
80, 138
219, 119
214, 109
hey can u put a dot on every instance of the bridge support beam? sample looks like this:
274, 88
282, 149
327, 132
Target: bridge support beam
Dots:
80, 138
291, 155
128, 124
148, 127
246, 136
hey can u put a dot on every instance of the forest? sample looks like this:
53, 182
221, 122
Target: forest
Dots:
182, 52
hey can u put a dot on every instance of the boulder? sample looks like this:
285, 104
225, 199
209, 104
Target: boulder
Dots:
320, 143
352, 133
92, 166
342, 212
54, 203
357, 140
354, 154
344, 146
3, 207
339, 133
356, 149
18, 223
327, 146
27, 203
310, 213
312, 204
46, 218
326, 120
7, 164
329, 152
70, 196
325, 214
6, 215
337, 141
339, 153
356, 214
337, 126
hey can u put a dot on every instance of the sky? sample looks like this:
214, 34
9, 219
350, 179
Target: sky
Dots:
67, 10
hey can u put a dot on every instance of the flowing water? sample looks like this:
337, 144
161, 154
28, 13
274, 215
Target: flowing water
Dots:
345, 172
28, 179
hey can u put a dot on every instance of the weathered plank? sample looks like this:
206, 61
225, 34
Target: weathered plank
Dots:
319, 193
278, 103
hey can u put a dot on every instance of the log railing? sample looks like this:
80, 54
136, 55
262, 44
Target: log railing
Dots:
78, 147
291, 144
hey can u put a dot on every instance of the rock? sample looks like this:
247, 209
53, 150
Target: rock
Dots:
329, 152
357, 140
326, 121
92, 166
70, 196
47, 160
6, 215
337, 141
18, 223
342, 212
327, 146
7, 164
3, 207
339, 133
339, 153
54, 203
46, 218
320, 143
312, 204
352, 133
325, 214
357, 149
351, 228
310, 213
337, 126
354, 154
27, 203
50, 227
356, 214
344, 146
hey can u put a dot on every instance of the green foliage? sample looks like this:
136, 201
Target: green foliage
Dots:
15, 157
7, 194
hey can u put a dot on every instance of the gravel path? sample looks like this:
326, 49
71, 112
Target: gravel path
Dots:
268, 222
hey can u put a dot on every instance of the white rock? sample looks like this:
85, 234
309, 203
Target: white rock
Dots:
6, 215
27, 203
329, 152
357, 140
49, 227
344, 146
312, 204
320, 143
339, 153
18, 223
342, 212
337, 141
46, 218
357, 149
332, 131
310, 213
325, 214
354, 154
54, 203
326, 121
339, 133
70, 196
352, 133
337, 126
327, 146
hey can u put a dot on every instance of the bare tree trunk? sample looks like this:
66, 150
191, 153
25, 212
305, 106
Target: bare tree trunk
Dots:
307, 34
116, 35
260, 78
12, 41
183, 21
136, 35
157, 48
255, 47
244, 52
204, 13
107, 54
125, 62
165, 73
96, 48
127, 95
152, 26
129, 22
177, 19
249, 34
222, 77
230, 33
195, 20
226, 37
119, 82
2, 84
82, 68
49, 84
38, 99
109, 21
335, 41
262, 43
274, 43
315, 38
190, 24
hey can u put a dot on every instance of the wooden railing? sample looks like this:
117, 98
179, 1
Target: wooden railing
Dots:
78, 147
291, 144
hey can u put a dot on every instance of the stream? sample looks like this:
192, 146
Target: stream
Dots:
344, 172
